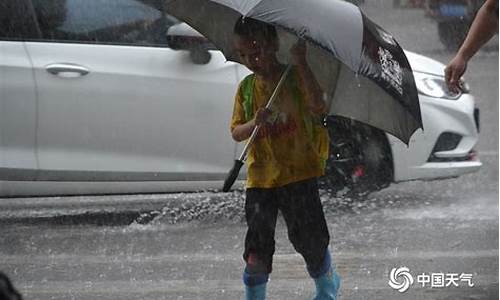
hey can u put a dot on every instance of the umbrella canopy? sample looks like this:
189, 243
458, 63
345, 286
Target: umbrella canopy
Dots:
360, 66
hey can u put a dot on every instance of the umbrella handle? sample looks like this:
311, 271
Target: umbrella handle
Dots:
268, 105
233, 173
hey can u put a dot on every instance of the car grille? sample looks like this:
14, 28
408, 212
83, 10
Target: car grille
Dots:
447, 141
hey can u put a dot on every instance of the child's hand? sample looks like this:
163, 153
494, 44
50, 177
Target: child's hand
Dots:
298, 52
261, 116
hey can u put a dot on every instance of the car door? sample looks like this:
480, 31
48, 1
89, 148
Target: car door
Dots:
17, 96
115, 103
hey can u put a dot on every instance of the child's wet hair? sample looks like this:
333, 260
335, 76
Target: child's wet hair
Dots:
250, 28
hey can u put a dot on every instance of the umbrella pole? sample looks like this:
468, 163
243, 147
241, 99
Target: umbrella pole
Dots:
238, 163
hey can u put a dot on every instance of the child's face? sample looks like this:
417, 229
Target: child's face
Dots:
255, 54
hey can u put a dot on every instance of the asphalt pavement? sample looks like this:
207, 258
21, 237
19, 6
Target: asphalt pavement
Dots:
435, 231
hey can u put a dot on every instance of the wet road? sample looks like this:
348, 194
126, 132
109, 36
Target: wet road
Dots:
428, 227
190, 248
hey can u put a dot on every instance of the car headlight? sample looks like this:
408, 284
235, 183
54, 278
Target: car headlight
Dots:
435, 86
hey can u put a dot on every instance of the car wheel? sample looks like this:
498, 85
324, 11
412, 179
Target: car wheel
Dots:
360, 160
452, 33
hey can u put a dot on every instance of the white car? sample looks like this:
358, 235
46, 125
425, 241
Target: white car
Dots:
94, 99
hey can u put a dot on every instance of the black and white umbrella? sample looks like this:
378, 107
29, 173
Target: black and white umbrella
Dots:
360, 66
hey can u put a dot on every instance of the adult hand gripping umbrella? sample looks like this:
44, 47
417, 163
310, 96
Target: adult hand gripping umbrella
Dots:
360, 67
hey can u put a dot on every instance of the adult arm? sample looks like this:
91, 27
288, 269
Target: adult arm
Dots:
483, 28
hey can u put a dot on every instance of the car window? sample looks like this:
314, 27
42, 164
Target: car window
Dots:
125, 22
17, 21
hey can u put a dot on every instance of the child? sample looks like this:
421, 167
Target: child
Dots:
284, 161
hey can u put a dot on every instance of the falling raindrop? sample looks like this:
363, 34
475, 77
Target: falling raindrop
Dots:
358, 83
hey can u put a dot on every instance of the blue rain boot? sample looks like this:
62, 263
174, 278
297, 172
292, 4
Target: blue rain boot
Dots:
255, 285
257, 292
327, 280
327, 286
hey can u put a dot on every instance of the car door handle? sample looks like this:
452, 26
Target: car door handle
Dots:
66, 70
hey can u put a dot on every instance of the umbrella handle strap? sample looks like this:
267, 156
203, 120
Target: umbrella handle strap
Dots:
268, 105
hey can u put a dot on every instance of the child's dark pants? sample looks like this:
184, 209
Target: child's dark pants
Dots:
301, 208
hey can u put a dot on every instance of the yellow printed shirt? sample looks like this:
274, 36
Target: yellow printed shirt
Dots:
292, 145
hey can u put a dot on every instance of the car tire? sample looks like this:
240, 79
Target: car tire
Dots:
360, 159
452, 33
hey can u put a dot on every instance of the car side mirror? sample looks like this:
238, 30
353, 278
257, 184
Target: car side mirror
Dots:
183, 37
